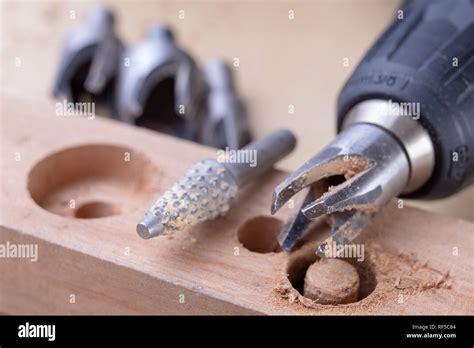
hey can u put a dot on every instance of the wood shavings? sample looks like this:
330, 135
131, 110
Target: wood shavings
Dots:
395, 273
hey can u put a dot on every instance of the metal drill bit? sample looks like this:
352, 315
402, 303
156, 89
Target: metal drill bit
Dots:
225, 124
156, 61
375, 164
374, 174
90, 59
209, 188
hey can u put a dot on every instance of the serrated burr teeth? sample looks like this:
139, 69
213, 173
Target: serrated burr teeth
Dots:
206, 191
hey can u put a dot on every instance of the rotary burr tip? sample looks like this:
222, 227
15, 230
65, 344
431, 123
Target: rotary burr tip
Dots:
204, 193
150, 226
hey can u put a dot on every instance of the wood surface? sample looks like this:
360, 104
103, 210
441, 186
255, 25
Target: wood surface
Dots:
282, 62
416, 262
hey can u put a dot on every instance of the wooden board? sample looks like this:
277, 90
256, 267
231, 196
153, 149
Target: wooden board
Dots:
416, 262
282, 61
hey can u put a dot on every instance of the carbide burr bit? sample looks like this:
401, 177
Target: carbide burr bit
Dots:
210, 187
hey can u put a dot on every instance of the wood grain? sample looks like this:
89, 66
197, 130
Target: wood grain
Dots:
205, 269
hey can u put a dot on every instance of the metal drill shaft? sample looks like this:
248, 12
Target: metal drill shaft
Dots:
210, 187
376, 169
380, 153
269, 150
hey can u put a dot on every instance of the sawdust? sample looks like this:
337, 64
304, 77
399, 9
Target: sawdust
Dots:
187, 242
355, 165
385, 275
351, 167
412, 275
299, 182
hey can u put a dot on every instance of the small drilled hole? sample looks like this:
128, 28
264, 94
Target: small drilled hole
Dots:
260, 234
95, 210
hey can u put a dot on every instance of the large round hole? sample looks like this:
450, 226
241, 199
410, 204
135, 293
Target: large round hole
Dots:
299, 263
260, 234
95, 210
93, 181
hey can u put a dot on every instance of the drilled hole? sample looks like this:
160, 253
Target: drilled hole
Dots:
300, 262
95, 210
260, 234
93, 181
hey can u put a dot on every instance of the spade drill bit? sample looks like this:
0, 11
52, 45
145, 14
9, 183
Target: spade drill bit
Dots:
405, 119
209, 188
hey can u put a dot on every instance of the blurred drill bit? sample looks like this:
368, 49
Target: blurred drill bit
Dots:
225, 123
90, 60
160, 87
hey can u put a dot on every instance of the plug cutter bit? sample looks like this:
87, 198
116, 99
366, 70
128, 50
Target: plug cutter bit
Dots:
159, 86
386, 147
225, 124
209, 188
90, 60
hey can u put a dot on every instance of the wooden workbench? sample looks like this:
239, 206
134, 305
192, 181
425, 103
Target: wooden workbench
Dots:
416, 262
